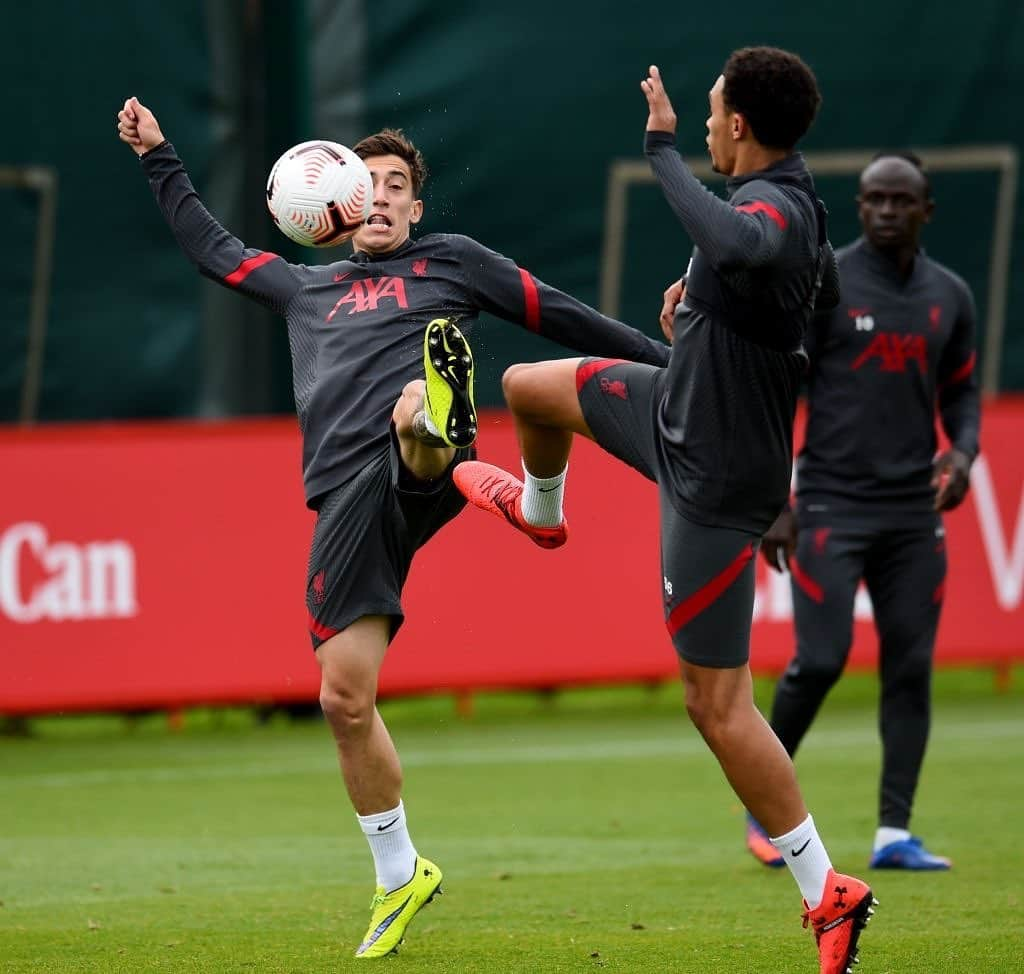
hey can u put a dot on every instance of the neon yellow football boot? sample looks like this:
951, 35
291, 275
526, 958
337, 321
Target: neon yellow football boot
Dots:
448, 367
393, 911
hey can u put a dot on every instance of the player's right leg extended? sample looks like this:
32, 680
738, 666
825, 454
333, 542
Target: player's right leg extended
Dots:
448, 368
406, 882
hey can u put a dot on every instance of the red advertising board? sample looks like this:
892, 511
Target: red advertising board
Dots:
160, 565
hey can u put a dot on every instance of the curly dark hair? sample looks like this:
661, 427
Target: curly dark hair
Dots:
775, 91
393, 142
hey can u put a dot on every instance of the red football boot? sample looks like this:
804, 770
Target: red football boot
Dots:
494, 490
838, 920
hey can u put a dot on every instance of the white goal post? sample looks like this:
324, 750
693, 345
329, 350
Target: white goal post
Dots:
1002, 159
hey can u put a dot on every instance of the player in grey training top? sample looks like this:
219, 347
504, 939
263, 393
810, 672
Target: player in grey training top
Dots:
356, 329
871, 487
356, 326
714, 430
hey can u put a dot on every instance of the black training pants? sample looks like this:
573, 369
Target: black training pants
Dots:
904, 568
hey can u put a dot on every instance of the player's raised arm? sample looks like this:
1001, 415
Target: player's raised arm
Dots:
137, 126
746, 235
502, 288
258, 274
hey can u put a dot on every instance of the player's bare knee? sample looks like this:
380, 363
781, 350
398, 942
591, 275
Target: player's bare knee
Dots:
717, 727
408, 404
515, 384
530, 393
348, 710
700, 713
714, 715
411, 399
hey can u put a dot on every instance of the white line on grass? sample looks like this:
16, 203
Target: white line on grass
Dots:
687, 744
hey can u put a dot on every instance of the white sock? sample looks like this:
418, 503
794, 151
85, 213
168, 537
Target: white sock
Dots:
429, 423
886, 835
393, 853
542, 498
807, 859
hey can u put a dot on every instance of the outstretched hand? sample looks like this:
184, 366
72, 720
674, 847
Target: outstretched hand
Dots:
661, 117
137, 126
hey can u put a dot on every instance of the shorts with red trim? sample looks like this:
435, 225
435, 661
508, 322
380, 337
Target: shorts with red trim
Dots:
367, 531
707, 572
707, 589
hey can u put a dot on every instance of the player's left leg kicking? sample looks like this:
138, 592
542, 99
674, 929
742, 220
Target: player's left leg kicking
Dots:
449, 410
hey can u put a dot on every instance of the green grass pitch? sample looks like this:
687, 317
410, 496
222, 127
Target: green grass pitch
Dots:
589, 832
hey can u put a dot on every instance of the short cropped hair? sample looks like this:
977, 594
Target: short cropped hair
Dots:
907, 156
393, 142
775, 91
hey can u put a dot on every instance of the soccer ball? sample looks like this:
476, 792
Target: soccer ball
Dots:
319, 193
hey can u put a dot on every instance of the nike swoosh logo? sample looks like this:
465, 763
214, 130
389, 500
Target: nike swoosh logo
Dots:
547, 490
797, 852
341, 277
387, 825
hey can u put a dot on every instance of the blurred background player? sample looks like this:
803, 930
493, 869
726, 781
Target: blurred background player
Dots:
364, 331
870, 489
714, 430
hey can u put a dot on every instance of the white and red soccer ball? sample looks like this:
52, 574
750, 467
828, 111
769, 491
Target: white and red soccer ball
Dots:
319, 193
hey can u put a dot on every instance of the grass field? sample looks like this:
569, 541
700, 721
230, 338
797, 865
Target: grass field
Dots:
588, 832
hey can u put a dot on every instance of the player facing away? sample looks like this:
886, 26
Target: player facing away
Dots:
714, 430
371, 335
871, 490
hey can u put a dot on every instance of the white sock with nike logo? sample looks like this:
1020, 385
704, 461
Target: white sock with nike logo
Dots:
394, 856
807, 859
542, 498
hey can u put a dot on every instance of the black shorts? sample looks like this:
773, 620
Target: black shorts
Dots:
707, 572
367, 531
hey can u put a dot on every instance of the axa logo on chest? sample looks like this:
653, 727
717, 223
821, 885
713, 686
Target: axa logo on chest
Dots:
366, 294
42, 579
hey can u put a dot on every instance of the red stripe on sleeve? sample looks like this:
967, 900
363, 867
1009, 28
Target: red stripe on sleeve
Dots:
694, 604
961, 373
247, 267
532, 300
759, 207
